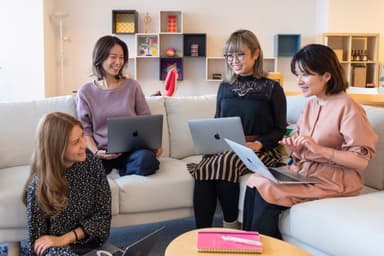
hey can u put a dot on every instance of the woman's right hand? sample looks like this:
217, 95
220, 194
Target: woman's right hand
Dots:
102, 154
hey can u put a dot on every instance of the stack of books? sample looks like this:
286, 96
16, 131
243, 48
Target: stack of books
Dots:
229, 241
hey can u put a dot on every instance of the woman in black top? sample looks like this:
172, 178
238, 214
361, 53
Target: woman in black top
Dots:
261, 105
67, 194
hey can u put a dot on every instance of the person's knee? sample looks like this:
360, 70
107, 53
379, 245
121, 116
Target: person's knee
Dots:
144, 162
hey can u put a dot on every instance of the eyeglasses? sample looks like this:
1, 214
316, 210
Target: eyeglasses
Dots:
238, 55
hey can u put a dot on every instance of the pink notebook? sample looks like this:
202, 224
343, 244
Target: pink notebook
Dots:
228, 241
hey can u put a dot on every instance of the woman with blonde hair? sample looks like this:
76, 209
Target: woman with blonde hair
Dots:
260, 103
67, 195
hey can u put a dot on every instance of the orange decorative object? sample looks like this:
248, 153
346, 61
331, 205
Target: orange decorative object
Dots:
172, 23
170, 82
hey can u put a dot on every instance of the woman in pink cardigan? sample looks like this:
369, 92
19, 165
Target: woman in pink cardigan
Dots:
333, 144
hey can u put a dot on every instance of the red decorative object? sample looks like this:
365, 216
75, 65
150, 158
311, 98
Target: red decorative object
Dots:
172, 23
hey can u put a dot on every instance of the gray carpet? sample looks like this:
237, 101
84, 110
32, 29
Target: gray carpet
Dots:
122, 237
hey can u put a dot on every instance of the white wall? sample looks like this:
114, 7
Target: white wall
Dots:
356, 16
90, 19
21, 51
29, 63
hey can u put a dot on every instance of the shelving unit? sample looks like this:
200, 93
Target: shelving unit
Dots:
358, 54
286, 45
149, 60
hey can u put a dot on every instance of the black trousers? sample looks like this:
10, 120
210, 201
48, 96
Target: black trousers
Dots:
205, 196
261, 216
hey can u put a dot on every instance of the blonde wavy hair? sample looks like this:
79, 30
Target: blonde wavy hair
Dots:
48, 163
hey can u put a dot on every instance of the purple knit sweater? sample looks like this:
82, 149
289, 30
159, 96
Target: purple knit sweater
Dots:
94, 105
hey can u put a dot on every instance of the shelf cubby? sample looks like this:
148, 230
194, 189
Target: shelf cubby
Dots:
286, 45
194, 45
171, 22
359, 71
168, 63
124, 22
147, 45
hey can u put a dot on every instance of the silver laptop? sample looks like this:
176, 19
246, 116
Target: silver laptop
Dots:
141, 247
126, 134
277, 175
208, 134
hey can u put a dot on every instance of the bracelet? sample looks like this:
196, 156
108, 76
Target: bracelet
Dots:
96, 152
76, 237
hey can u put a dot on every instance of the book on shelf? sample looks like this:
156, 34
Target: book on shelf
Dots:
229, 241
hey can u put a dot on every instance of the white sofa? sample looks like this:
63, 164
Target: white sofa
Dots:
340, 226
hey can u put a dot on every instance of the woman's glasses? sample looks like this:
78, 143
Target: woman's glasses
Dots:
231, 56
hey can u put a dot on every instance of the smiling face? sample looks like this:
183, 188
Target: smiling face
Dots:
76, 147
311, 84
242, 62
114, 62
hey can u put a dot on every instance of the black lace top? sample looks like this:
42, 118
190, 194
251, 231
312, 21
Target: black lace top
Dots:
89, 207
261, 105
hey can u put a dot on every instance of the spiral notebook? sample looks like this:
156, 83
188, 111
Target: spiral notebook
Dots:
229, 241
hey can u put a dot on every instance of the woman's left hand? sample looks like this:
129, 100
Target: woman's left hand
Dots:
45, 242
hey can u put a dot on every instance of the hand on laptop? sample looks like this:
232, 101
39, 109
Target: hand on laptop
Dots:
104, 155
296, 143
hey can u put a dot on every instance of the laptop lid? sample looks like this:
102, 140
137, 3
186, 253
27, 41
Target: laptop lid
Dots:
253, 163
126, 134
143, 246
208, 134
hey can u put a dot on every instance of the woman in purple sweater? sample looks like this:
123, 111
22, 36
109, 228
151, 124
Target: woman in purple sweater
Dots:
111, 94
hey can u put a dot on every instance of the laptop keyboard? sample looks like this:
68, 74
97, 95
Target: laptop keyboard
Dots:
280, 176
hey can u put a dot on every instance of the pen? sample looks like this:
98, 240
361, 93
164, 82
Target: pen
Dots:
241, 240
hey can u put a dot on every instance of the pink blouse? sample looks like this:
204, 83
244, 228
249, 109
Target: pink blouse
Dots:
342, 124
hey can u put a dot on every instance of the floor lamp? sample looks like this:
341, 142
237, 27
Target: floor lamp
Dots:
59, 16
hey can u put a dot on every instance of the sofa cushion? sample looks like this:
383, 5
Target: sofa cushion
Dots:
179, 111
295, 106
157, 106
374, 174
114, 193
333, 224
19, 121
169, 188
12, 210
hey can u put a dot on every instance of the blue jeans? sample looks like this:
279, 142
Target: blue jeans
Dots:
141, 162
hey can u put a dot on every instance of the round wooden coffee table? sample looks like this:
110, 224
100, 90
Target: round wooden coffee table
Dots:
185, 245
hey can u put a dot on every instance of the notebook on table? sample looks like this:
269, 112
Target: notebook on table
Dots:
254, 163
126, 134
208, 134
141, 247
229, 241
